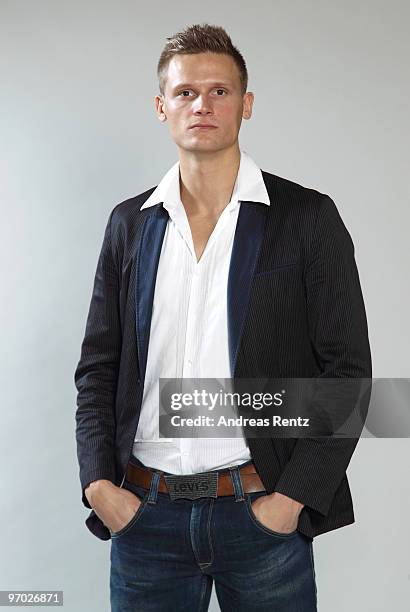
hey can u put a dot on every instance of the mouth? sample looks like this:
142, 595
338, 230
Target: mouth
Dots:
203, 127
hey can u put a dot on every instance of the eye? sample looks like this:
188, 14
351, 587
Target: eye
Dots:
187, 91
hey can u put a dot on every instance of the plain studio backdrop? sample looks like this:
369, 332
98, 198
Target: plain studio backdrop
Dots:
79, 134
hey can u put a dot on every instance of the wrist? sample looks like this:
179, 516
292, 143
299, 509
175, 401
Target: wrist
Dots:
290, 503
96, 486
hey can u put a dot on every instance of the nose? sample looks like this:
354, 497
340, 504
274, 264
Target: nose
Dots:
202, 105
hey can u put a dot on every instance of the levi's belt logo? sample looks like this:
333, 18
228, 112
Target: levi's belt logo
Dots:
192, 486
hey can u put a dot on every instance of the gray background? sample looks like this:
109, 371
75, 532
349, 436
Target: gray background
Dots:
79, 134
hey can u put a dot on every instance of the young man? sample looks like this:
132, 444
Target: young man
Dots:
221, 271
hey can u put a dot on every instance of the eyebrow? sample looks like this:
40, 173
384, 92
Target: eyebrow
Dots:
188, 85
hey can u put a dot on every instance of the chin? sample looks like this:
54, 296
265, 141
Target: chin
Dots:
200, 147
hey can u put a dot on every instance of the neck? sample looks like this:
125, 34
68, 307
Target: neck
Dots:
207, 179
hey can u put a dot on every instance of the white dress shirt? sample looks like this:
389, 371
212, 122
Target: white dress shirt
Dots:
189, 326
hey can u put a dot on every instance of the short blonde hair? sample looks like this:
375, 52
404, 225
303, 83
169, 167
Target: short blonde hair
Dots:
200, 38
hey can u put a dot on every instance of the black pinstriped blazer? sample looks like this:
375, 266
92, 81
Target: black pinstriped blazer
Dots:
295, 309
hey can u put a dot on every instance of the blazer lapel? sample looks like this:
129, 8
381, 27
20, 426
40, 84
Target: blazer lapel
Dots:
149, 250
249, 233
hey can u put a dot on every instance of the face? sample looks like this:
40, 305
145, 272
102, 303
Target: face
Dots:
204, 89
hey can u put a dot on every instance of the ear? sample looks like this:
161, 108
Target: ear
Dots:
160, 107
248, 100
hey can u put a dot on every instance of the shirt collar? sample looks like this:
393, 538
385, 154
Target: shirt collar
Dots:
249, 185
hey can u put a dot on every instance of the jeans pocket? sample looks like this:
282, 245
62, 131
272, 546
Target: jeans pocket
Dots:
135, 517
249, 498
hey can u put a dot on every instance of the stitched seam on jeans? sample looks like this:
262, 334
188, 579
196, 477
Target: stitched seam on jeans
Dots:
203, 593
208, 533
209, 529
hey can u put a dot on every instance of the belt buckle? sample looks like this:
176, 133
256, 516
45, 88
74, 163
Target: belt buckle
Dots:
192, 486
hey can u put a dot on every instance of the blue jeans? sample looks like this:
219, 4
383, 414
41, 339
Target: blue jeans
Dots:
167, 557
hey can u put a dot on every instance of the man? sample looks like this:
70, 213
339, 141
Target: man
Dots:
221, 271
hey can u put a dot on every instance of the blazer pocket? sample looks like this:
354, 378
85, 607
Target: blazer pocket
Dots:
285, 266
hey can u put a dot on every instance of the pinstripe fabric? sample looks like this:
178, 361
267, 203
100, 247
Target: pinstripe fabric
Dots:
305, 318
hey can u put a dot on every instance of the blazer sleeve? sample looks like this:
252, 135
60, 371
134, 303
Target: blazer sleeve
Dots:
97, 373
339, 337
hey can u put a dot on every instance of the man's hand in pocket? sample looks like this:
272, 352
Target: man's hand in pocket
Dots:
277, 512
114, 505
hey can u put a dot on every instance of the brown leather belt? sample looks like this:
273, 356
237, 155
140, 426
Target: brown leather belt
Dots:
251, 482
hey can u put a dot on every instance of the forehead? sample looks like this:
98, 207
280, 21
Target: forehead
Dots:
202, 67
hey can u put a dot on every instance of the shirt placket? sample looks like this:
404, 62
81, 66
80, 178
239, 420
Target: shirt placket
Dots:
191, 363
